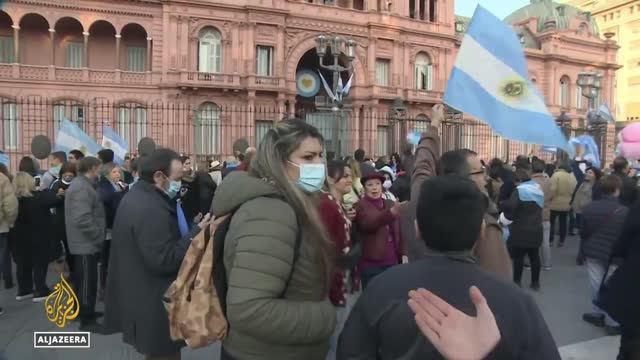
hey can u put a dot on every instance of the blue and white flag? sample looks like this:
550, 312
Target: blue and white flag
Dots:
111, 140
531, 191
591, 153
71, 137
490, 81
4, 159
549, 149
605, 113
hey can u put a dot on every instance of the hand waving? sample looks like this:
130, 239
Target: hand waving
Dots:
453, 333
437, 115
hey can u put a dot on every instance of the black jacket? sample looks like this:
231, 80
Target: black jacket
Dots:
196, 195
382, 326
629, 192
146, 254
30, 236
58, 211
600, 226
111, 199
525, 230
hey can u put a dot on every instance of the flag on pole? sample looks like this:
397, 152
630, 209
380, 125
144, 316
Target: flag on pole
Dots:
111, 140
605, 113
591, 153
71, 137
490, 81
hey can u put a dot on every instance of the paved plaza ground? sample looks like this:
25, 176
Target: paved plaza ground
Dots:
563, 299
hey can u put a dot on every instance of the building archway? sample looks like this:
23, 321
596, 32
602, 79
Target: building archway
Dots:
295, 55
6, 38
102, 40
69, 43
133, 52
34, 40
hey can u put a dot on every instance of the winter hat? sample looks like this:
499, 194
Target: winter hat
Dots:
388, 170
371, 174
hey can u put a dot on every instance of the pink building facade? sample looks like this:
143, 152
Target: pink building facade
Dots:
194, 74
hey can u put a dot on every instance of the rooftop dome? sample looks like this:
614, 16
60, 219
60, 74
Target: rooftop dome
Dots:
561, 14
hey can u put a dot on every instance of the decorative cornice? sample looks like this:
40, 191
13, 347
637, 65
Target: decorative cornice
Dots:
67, 6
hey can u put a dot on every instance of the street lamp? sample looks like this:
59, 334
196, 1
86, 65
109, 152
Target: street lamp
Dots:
337, 46
590, 84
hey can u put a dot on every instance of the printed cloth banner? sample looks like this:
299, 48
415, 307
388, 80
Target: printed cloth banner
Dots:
490, 81
111, 140
71, 137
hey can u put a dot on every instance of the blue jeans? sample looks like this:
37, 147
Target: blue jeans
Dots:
595, 270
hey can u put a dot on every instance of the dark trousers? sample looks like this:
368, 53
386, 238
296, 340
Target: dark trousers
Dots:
5, 259
68, 258
629, 344
563, 225
30, 274
176, 356
517, 255
86, 267
369, 273
104, 264
224, 355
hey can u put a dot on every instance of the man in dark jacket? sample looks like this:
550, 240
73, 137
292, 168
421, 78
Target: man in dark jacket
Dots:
601, 225
86, 229
146, 254
382, 312
629, 189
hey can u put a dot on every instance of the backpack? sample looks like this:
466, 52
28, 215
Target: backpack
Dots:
191, 301
196, 302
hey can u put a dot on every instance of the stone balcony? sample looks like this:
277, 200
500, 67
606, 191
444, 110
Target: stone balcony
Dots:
386, 92
428, 96
72, 75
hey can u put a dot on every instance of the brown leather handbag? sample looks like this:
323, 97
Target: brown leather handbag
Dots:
192, 303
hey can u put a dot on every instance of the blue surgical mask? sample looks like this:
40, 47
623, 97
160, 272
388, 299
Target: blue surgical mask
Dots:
174, 188
55, 170
312, 176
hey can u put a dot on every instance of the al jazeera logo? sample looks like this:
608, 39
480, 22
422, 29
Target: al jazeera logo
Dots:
61, 307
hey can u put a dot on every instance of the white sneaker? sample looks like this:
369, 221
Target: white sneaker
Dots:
24, 297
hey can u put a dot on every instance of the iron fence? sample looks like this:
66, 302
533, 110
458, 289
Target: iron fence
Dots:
207, 131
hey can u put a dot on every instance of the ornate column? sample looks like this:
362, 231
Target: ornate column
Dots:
148, 64
52, 38
118, 37
16, 43
280, 52
86, 50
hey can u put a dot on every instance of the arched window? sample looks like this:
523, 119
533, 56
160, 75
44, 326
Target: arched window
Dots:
70, 110
10, 124
209, 51
132, 123
207, 129
421, 124
424, 70
565, 89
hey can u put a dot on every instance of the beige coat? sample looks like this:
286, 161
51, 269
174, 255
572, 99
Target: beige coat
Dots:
545, 184
8, 204
563, 185
582, 198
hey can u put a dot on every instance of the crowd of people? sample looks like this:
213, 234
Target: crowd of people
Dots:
330, 258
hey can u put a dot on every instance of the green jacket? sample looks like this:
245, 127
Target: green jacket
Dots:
258, 256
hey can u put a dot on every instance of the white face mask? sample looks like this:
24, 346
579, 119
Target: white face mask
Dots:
387, 184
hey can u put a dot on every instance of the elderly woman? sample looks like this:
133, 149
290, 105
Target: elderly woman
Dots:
111, 190
378, 229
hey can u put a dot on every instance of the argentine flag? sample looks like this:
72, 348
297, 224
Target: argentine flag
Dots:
490, 81
71, 137
111, 140
4, 159
605, 113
